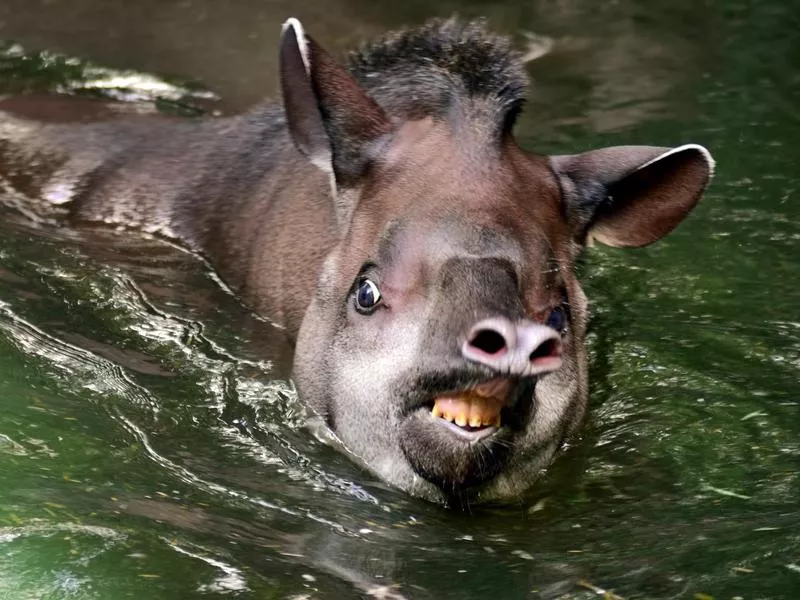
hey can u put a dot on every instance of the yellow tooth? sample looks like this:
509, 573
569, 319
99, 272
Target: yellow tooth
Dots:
447, 417
496, 422
436, 411
474, 421
461, 420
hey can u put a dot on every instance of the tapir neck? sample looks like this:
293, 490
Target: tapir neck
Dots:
270, 240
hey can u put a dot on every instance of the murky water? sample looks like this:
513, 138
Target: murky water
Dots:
151, 446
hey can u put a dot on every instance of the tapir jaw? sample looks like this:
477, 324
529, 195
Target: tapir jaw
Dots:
475, 412
459, 438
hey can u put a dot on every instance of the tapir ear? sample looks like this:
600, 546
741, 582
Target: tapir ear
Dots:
331, 118
632, 195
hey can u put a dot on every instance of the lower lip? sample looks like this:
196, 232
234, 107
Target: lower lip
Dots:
468, 436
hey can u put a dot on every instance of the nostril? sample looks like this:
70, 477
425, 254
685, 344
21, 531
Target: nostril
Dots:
547, 349
488, 341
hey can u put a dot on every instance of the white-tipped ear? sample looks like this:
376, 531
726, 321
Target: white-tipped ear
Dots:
331, 118
300, 36
631, 196
697, 147
300, 102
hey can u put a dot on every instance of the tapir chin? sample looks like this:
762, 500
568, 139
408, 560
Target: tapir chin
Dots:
386, 217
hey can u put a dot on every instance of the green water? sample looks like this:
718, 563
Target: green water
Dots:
151, 446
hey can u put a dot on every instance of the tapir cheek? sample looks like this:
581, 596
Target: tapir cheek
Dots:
364, 394
553, 395
371, 357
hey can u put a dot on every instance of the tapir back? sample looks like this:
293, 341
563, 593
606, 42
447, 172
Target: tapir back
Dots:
234, 189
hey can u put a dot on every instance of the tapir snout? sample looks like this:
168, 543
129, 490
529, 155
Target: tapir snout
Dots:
515, 348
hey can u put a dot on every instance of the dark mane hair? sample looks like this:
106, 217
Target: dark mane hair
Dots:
430, 69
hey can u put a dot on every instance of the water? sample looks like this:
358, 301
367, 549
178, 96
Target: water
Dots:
151, 445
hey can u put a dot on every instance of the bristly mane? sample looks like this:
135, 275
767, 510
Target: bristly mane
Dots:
429, 70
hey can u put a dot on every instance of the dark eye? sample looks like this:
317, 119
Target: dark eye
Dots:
557, 319
368, 296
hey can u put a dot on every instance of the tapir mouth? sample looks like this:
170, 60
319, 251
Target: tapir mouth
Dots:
476, 410
459, 428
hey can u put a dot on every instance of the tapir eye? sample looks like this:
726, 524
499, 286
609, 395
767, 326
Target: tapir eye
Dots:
557, 319
368, 296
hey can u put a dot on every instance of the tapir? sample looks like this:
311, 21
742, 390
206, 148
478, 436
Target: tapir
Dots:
384, 215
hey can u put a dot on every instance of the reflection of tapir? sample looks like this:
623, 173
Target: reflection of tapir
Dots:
387, 218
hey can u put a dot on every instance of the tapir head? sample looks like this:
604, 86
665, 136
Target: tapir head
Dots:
444, 342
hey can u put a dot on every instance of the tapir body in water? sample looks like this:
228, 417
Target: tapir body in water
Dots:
386, 217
